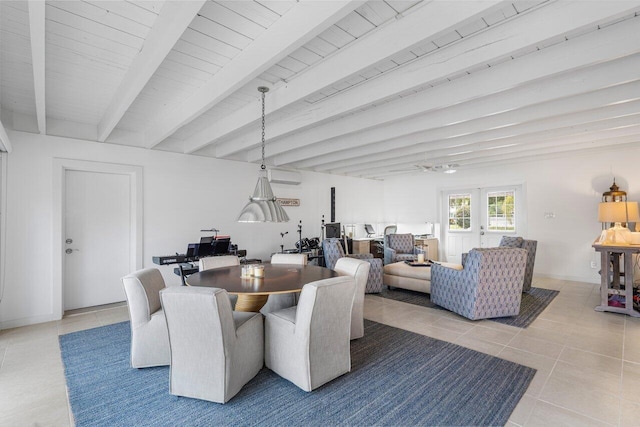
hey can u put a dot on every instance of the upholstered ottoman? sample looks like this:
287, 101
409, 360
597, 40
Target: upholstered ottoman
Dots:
402, 275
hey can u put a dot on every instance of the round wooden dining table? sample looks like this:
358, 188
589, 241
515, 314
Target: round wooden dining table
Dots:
253, 292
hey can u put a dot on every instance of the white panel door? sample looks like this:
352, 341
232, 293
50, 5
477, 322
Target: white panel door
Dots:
97, 237
479, 217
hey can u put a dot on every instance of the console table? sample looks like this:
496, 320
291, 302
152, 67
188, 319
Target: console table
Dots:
611, 275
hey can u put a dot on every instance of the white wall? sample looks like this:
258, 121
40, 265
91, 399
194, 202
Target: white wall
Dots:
182, 194
570, 187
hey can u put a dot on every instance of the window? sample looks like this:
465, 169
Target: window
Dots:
459, 212
501, 211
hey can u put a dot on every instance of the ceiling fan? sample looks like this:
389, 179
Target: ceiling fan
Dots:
443, 168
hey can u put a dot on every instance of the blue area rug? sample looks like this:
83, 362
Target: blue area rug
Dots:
533, 303
397, 378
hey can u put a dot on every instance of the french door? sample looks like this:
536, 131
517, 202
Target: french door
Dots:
479, 217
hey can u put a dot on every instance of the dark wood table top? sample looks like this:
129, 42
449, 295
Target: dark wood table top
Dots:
278, 278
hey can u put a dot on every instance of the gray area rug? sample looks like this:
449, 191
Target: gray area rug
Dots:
532, 304
397, 378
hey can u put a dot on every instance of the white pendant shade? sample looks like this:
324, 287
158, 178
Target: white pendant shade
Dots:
263, 206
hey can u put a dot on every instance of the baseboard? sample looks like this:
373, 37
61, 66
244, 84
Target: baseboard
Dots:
593, 280
27, 321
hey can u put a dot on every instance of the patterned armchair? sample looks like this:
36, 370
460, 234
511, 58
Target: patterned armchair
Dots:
519, 242
400, 247
489, 285
332, 250
530, 246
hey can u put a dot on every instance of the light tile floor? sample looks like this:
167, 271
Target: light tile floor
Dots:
588, 362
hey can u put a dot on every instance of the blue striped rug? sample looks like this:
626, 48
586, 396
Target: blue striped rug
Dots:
397, 378
533, 303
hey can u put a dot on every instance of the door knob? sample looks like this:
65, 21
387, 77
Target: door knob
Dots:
68, 251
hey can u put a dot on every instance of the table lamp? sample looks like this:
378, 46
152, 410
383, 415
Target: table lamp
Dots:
617, 213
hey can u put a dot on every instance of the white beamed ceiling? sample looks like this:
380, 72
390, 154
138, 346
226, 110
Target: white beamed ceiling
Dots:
361, 88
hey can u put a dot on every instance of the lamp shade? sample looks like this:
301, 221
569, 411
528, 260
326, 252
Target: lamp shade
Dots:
262, 206
618, 212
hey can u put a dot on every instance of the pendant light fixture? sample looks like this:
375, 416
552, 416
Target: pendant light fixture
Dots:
262, 206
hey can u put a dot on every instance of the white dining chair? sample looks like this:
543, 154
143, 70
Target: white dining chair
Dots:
359, 270
299, 259
210, 262
215, 351
309, 344
218, 261
149, 338
280, 301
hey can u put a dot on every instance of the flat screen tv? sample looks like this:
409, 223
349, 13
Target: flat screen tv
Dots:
332, 229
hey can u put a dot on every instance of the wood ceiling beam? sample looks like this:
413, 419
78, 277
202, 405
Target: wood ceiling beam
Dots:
439, 153
605, 144
505, 87
553, 150
615, 121
436, 152
534, 28
37, 37
598, 110
548, 103
5, 143
402, 133
172, 21
303, 22
527, 154
630, 130
408, 31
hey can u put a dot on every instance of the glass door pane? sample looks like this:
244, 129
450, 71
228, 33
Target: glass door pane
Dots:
501, 211
500, 214
459, 212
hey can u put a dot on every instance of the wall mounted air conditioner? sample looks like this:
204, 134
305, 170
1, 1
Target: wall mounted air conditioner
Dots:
279, 176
